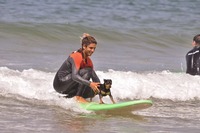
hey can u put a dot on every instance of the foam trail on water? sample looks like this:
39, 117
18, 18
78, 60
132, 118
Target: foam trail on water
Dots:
37, 85
162, 85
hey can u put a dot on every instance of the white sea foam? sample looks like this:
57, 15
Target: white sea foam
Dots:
35, 84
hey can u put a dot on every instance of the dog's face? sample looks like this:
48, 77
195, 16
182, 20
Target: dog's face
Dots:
107, 83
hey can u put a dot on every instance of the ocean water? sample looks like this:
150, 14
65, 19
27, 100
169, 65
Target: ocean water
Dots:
141, 47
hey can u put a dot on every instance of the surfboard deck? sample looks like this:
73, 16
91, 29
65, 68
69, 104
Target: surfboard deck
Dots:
128, 105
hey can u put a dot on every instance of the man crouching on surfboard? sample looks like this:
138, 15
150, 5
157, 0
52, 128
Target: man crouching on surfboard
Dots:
73, 77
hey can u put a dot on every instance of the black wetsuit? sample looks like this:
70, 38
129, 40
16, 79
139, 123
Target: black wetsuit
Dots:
193, 61
73, 77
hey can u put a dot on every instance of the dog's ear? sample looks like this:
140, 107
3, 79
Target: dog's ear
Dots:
105, 80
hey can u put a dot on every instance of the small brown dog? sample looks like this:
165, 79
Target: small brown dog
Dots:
104, 90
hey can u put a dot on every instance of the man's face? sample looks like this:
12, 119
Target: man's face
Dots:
193, 43
89, 50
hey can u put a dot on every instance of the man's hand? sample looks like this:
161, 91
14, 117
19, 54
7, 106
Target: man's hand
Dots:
94, 86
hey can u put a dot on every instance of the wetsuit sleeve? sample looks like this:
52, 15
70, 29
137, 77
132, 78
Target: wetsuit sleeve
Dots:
95, 78
75, 75
188, 63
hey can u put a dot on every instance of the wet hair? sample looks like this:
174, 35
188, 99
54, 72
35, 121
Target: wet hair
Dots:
197, 39
86, 39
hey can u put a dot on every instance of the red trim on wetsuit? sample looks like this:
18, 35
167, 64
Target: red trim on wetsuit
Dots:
79, 61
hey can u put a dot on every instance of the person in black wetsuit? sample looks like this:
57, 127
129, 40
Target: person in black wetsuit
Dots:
193, 57
73, 77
